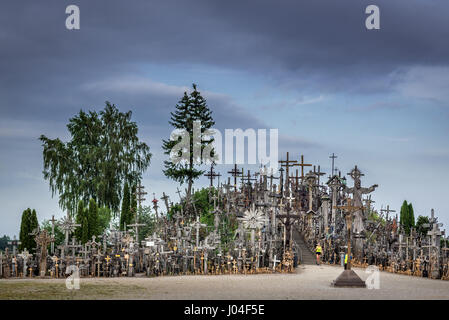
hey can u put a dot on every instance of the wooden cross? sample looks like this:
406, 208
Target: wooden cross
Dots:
287, 223
212, 175
318, 173
388, 210
333, 157
287, 164
136, 229
235, 173
197, 225
165, 198
179, 193
302, 165
248, 178
140, 194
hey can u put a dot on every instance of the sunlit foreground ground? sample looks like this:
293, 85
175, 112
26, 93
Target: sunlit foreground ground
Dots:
310, 282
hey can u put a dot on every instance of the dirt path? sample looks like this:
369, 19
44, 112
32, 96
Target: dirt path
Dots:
310, 282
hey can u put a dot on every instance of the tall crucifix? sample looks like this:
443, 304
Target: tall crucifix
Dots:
43, 239
288, 220
349, 278
287, 164
357, 192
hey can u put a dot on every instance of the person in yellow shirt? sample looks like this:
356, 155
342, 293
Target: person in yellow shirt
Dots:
318, 251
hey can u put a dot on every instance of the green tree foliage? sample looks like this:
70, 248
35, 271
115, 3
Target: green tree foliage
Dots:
59, 234
407, 217
133, 205
404, 213
4, 242
420, 228
189, 109
103, 152
80, 213
28, 224
104, 218
124, 214
148, 219
85, 230
92, 220
411, 216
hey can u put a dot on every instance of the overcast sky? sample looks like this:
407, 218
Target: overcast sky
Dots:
377, 99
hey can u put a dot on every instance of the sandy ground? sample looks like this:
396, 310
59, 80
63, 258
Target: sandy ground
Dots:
309, 282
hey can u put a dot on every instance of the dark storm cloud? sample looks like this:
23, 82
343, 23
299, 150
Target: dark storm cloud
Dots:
300, 44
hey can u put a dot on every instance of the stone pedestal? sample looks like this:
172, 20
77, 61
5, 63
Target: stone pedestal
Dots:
349, 279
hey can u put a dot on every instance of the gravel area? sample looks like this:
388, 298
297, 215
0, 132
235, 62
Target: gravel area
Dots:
309, 282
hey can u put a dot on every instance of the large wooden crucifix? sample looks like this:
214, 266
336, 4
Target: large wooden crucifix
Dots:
289, 220
302, 165
349, 209
43, 239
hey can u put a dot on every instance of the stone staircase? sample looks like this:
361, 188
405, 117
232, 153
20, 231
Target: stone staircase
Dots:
308, 257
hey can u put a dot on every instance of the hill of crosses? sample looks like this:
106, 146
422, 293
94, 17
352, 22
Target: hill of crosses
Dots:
249, 223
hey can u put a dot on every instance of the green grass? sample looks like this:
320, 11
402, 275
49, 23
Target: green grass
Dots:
30, 290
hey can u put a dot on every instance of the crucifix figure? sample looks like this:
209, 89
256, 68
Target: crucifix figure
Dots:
349, 278
43, 239
357, 191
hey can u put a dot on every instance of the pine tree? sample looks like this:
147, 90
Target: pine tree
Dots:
24, 230
411, 217
189, 109
404, 214
85, 229
125, 207
93, 219
33, 225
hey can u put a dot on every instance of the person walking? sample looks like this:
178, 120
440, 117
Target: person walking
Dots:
318, 251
